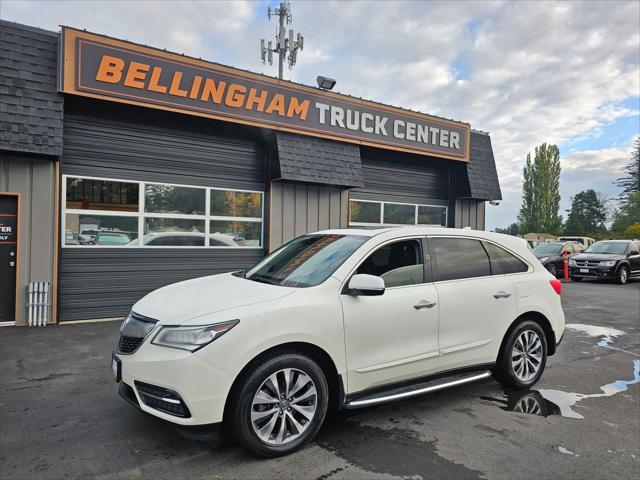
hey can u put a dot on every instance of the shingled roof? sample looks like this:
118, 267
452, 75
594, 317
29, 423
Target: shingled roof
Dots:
481, 170
315, 160
30, 105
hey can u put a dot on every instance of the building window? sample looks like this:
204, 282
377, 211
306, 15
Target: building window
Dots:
102, 212
369, 213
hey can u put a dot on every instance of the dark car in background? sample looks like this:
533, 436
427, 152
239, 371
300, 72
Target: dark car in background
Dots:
616, 260
551, 254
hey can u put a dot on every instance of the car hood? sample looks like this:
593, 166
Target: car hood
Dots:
598, 256
549, 255
185, 302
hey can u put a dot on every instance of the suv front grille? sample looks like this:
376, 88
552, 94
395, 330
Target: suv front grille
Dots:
133, 331
587, 263
129, 344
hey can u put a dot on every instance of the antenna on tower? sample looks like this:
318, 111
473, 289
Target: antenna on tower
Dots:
283, 44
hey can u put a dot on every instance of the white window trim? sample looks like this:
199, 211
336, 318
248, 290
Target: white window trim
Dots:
141, 215
382, 224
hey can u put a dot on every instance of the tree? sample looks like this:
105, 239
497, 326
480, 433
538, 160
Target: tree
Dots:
574, 225
541, 192
628, 214
632, 231
630, 182
510, 230
587, 213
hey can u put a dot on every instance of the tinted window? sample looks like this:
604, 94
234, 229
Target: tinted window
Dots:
459, 258
502, 261
364, 212
398, 264
399, 214
160, 198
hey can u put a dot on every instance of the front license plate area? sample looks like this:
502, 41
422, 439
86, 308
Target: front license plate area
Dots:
584, 270
116, 368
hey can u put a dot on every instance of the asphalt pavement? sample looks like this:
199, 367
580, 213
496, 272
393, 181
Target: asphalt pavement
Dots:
61, 416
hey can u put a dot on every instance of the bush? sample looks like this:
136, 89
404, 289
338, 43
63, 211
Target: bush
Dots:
632, 231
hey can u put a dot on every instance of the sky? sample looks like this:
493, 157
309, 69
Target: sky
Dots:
526, 72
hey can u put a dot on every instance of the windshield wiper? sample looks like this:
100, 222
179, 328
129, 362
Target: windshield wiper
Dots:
263, 279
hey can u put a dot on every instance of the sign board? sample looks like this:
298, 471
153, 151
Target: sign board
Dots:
101, 67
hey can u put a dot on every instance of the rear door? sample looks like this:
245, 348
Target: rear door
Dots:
476, 306
634, 258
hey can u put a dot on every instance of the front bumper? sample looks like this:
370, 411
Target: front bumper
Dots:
199, 387
593, 272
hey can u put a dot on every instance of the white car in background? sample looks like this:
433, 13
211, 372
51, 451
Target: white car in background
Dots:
339, 319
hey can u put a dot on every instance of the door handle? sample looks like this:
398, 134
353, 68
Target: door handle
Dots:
501, 294
424, 304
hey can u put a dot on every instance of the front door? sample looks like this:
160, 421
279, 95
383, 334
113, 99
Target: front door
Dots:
8, 256
393, 336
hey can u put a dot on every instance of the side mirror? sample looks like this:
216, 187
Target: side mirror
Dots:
634, 252
364, 284
582, 251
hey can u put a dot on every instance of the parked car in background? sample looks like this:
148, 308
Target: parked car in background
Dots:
607, 260
87, 237
551, 255
113, 238
339, 319
585, 241
70, 238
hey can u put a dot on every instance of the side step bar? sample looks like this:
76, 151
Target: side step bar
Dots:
416, 389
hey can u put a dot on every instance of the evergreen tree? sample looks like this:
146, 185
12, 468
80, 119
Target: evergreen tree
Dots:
628, 214
587, 213
541, 192
630, 182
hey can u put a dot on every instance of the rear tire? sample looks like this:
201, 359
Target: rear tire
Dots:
622, 275
269, 427
523, 356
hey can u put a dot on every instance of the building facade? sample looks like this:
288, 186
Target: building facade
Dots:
124, 168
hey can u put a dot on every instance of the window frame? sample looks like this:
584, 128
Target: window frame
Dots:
141, 215
427, 269
434, 260
382, 204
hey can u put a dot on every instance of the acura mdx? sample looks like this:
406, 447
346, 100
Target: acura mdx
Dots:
339, 319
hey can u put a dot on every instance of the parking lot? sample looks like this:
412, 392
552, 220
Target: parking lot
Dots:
61, 416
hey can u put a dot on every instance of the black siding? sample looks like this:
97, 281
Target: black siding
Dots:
125, 142
404, 178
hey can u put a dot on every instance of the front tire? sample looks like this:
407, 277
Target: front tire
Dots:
553, 269
622, 276
523, 356
280, 405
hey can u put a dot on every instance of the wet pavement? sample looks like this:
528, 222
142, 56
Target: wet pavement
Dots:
61, 417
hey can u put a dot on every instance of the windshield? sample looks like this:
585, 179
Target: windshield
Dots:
616, 248
306, 261
548, 249
112, 239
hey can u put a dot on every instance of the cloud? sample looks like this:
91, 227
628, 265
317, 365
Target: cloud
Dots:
527, 72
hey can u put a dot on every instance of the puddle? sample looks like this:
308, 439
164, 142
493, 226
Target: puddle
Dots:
546, 402
607, 334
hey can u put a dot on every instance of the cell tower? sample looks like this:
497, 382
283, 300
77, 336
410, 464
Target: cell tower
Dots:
283, 44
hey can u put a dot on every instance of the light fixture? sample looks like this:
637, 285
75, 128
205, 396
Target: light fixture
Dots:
325, 83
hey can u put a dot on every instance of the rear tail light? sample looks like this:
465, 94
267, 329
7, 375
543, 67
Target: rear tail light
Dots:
556, 285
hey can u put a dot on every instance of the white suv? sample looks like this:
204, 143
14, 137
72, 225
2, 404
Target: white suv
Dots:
339, 319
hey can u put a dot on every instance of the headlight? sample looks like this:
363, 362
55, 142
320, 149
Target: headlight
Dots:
192, 338
608, 263
544, 259
572, 263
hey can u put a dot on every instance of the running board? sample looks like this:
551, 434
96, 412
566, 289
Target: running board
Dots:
416, 389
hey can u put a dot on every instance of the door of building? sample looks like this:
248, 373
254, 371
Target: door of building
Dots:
8, 255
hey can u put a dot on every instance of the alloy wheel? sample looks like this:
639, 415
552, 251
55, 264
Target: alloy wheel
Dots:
553, 269
284, 406
623, 275
526, 356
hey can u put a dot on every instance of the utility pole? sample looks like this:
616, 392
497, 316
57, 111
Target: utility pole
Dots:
283, 44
